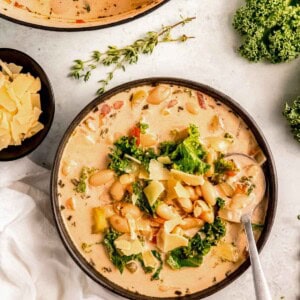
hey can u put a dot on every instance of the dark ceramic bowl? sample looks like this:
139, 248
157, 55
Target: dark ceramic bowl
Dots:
269, 170
109, 13
47, 103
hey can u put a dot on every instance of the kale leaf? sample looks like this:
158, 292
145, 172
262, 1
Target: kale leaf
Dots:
141, 201
222, 168
116, 258
271, 30
124, 148
199, 245
220, 202
120, 261
292, 114
188, 155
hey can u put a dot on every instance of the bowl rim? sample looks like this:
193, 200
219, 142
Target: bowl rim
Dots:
40, 71
87, 28
272, 186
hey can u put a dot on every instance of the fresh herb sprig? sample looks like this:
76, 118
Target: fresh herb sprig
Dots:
119, 58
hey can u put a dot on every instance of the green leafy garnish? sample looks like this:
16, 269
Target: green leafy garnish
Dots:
116, 258
143, 127
292, 114
271, 30
80, 184
119, 58
220, 202
257, 226
155, 275
199, 245
222, 167
127, 147
120, 261
141, 200
188, 155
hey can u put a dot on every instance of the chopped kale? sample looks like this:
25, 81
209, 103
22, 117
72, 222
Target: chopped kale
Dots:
80, 184
292, 114
143, 127
220, 202
116, 258
187, 155
127, 146
199, 245
223, 167
271, 30
141, 200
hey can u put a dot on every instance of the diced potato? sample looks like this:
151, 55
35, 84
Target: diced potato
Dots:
99, 220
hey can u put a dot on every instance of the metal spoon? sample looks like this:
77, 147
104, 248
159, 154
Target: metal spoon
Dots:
262, 290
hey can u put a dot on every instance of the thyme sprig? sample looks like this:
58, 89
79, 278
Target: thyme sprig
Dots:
119, 58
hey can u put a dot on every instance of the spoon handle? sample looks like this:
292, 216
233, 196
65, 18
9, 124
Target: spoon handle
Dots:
260, 283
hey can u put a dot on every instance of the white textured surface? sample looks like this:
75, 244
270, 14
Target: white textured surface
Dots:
209, 59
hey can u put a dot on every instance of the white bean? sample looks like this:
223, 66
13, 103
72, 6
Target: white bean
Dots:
117, 191
119, 223
186, 204
166, 212
158, 95
209, 193
101, 177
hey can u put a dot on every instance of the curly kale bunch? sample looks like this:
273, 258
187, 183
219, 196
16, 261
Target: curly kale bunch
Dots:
271, 30
292, 114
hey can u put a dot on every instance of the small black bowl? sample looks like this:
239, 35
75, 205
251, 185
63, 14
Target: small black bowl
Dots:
47, 103
269, 170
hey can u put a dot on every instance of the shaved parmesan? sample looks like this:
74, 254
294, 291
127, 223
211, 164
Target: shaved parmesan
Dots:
127, 246
20, 106
157, 171
153, 190
187, 178
167, 241
149, 259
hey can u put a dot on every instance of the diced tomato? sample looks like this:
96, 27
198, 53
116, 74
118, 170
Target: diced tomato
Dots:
172, 103
18, 5
80, 21
201, 100
231, 173
118, 104
154, 240
105, 109
70, 204
136, 132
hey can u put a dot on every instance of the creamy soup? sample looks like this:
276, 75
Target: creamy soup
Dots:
80, 11
150, 195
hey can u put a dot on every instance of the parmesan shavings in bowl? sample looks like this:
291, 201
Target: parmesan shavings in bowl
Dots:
20, 106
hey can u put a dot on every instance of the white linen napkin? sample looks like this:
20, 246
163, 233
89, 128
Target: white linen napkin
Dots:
33, 262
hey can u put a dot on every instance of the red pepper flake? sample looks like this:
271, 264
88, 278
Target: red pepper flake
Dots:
172, 103
201, 100
118, 104
136, 132
105, 109
18, 5
80, 21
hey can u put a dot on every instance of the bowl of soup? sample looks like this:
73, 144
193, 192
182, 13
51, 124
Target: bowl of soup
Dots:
70, 15
145, 191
